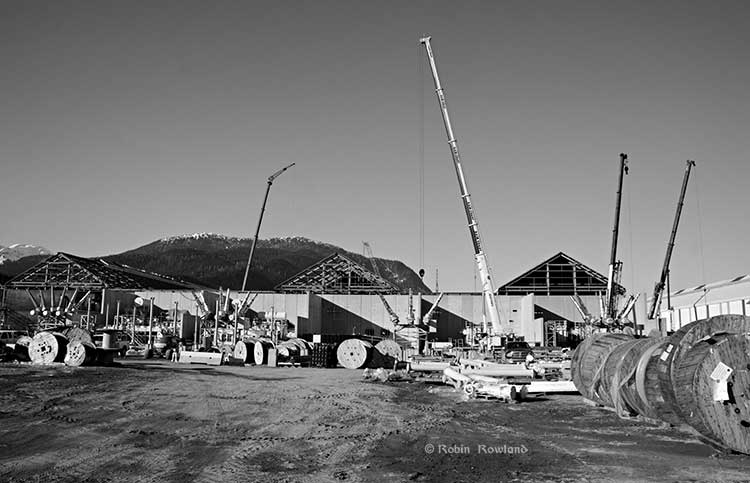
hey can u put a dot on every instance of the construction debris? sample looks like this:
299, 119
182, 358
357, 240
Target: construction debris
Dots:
386, 375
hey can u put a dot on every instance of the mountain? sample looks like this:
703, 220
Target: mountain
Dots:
9, 270
220, 261
18, 251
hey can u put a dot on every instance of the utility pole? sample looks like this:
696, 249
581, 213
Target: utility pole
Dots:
260, 219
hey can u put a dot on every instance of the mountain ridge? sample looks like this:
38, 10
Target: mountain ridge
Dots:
217, 260
17, 251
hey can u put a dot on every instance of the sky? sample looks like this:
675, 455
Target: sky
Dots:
126, 122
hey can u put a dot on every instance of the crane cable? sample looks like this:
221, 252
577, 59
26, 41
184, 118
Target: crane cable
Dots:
630, 239
700, 233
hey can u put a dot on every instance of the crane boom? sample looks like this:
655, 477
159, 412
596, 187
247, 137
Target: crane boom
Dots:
659, 288
260, 220
615, 266
480, 257
368, 253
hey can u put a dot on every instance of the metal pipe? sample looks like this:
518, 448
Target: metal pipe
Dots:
197, 324
216, 323
150, 323
72, 300
659, 287
132, 326
33, 300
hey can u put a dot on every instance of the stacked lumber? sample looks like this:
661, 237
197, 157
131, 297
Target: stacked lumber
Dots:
697, 376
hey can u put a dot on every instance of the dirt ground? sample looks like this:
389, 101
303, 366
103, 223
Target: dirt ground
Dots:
158, 421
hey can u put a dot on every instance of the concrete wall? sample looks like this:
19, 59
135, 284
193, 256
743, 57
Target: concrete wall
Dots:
717, 299
339, 314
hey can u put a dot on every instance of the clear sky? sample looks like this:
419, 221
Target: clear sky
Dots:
125, 122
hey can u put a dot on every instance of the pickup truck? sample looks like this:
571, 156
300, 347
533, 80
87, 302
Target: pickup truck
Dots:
118, 340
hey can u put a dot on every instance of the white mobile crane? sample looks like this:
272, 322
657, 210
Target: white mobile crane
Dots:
488, 290
610, 315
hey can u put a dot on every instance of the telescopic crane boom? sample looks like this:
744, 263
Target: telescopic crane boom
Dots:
615, 266
488, 289
659, 288
260, 220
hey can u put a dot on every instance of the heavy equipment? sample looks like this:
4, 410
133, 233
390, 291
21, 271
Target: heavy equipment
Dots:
659, 287
260, 219
615, 266
610, 315
488, 290
367, 252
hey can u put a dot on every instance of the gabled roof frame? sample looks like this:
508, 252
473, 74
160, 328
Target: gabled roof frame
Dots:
550, 281
337, 274
66, 270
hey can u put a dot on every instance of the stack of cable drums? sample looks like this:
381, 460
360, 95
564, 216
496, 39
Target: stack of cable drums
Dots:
698, 376
293, 350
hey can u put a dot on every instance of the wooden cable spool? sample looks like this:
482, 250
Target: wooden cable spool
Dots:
80, 353
722, 418
354, 353
386, 354
244, 351
260, 351
288, 350
608, 376
647, 382
588, 360
78, 334
624, 391
389, 348
670, 361
303, 345
47, 347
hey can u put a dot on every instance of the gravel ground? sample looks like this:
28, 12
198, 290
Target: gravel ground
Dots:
158, 421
